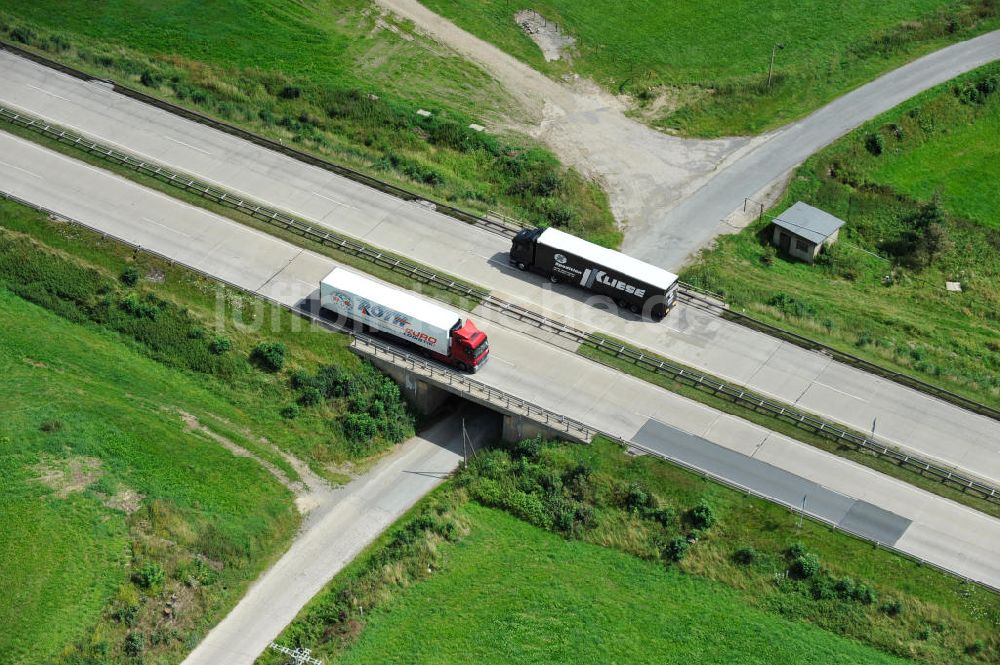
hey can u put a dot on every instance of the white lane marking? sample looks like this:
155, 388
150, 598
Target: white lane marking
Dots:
188, 145
340, 203
18, 168
164, 226
51, 94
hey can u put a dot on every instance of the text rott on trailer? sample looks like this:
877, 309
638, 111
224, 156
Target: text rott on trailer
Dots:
631, 283
434, 330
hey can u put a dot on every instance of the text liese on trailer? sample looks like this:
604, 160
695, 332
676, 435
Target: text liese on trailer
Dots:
632, 284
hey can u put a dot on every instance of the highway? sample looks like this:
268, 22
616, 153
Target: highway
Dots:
905, 418
917, 522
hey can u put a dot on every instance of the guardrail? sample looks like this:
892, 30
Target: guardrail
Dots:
288, 151
474, 390
507, 226
438, 373
737, 394
798, 509
628, 444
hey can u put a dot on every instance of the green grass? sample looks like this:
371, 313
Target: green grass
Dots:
701, 69
787, 426
512, 593
72, 392
330, 77
193, 311
891, 310
957, 166
456, 581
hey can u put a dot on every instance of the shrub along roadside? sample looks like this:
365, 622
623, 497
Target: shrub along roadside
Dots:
647, 508
361, 127
169, 319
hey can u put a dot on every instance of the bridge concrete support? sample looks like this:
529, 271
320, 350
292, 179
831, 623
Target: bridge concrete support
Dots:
424, 396
518, 428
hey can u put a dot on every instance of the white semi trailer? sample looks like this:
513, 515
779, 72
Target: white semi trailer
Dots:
434, 330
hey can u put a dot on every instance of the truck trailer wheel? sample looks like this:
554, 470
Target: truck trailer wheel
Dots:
634, 309
554, 279
522, 266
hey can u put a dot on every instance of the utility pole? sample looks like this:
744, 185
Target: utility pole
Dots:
770, 69
299, 656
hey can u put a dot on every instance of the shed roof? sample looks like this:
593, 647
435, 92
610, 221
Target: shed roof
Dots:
808, 222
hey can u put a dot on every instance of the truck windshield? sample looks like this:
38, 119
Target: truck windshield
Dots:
481, 349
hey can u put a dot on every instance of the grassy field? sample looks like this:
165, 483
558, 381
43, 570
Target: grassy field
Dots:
101, 476
456, 581
915, 188
513, 593
193, 313
701, 69
332, 77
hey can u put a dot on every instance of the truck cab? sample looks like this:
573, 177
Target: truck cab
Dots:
522, 249
470, 348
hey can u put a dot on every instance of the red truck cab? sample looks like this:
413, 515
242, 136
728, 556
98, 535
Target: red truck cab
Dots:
469, 348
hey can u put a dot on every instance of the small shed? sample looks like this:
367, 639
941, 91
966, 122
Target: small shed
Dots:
802, 230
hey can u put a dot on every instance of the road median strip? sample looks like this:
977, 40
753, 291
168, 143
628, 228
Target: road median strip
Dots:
971, 491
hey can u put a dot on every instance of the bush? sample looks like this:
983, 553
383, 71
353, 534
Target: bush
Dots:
675, 549
893, 608
797, 549
290, 412
269, 356
310, 396
359, 427
135, 642
745, 556
875, 144
844, 588
219, 345
805, 566
290, 92
976, 648
701, 516
139, 308
864, 594
149, 575
129, 276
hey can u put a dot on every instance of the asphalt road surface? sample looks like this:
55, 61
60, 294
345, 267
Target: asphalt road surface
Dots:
902, 417
694, 221
945, 533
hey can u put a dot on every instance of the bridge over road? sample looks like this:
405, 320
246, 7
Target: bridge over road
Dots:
912, 421
558, 380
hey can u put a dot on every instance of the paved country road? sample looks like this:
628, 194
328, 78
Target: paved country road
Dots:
672, 192
692, 224
335, 534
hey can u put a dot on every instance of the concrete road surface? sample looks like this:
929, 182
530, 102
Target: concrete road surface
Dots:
903, 417
940, 531
693, 223
361, 511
